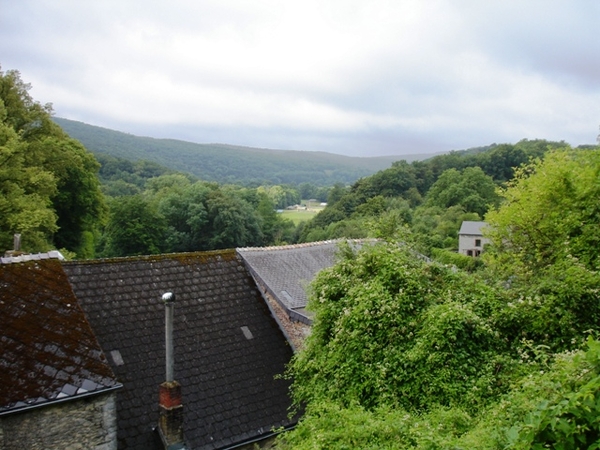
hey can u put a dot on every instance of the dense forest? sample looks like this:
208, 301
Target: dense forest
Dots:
430, 199
56, 194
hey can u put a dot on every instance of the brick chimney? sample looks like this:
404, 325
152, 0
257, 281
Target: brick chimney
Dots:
170, 422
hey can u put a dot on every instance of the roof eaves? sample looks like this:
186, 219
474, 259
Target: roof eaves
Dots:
39, 402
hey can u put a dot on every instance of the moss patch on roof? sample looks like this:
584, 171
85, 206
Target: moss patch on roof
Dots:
48, 351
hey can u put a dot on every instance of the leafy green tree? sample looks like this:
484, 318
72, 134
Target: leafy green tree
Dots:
545, 245
372, 207
274, 228
336, 193
280, 196
232, 221
25, 195
184, 208
135, 227
393, 182
555, 406
393, 330
79, 203
471, 189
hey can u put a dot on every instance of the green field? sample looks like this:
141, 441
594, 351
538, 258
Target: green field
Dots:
298, 216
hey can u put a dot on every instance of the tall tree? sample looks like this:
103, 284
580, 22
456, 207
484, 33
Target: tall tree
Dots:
25, 194
135, 227
233, 222
43, 148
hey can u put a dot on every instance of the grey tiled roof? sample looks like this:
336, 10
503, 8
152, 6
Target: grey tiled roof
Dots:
48, 352
228, 387
472, 228
285, 271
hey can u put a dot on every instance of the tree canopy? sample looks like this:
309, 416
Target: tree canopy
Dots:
550, 214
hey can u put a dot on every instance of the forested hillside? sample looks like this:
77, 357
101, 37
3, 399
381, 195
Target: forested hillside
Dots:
227, 163
430, 198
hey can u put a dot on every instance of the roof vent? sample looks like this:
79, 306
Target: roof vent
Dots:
247, 333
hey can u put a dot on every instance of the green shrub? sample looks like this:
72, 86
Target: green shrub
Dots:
463, 262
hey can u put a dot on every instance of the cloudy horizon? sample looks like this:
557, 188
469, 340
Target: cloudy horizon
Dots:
350, 77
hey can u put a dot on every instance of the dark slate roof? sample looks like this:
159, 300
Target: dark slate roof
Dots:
48, 352
472, 228
229, 389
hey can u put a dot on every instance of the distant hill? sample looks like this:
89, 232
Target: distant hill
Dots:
228, 163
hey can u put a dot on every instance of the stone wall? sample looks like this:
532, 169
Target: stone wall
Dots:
89, 423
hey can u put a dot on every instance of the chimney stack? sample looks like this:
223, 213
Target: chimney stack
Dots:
16, 251
170, 425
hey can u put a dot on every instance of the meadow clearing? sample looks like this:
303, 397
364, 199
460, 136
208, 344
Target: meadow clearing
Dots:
302, 215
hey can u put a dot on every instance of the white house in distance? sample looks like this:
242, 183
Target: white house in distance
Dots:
470, 238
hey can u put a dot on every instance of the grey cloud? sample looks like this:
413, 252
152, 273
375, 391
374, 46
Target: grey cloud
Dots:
382, 78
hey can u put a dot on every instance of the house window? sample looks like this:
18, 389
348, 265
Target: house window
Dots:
469, 252
477, 242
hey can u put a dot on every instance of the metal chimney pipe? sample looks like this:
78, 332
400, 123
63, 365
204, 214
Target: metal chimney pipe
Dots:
169, 299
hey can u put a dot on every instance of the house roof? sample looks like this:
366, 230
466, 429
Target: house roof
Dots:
48, 352
285, 271
228, 347
472, 228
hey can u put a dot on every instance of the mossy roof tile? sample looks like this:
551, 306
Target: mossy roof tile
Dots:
48, 350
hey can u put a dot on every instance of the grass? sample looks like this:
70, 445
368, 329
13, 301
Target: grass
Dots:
301, 215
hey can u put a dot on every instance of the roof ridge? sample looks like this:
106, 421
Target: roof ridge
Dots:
12, 259
301, 245
157, 257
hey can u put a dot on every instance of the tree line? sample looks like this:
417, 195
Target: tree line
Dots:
56, 194
228, 164
430, 198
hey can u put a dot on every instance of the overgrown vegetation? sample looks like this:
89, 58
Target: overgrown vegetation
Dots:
406, 353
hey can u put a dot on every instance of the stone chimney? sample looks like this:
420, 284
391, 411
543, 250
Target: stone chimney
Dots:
170, 422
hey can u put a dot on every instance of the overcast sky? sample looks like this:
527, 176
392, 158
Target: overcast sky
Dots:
365, 78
